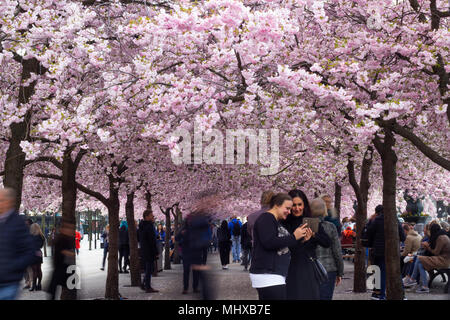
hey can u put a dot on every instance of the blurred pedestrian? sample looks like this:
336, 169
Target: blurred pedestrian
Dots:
38, 243
149, 251
64, 256
198, 234
16, 248
332, 215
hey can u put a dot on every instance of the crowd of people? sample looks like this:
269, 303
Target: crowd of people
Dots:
293, 248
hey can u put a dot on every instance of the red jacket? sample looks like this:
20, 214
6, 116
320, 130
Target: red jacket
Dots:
347, 236
77, 240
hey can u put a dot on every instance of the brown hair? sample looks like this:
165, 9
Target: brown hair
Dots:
266, 196
279, 199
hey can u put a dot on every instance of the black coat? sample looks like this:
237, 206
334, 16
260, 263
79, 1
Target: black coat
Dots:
375, 234
300, 282
147, 240
267, 243
16, 249
223, 235
246, 240
123, 237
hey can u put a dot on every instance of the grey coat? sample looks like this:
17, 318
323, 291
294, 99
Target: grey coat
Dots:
331, 257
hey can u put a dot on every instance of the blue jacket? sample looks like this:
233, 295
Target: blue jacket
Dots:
16, 249
231, 223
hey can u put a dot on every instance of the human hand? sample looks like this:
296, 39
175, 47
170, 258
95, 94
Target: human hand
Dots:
338, 281
309, 234
300, 232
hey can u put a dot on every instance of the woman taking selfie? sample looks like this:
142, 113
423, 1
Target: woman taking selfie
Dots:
301, 282
271, 255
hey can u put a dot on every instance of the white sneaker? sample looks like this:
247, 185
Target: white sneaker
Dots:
409, 283
225, 267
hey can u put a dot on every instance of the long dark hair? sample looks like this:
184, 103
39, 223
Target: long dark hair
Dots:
435, 232
300, 194
224, 224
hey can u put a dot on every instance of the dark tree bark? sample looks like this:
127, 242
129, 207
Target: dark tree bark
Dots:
166, 213
113, 205
361, 192
337, 199
132, 234
69, 200
15, 157
177, 224
394, 289
148, 199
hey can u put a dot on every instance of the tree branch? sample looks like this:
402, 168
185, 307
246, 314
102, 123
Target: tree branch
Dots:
416, 141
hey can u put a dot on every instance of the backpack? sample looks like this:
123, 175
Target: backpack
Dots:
236, 229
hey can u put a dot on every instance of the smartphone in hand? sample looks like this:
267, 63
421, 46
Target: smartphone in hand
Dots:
313, 223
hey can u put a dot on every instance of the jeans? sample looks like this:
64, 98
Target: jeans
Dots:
327, 288
9, 291
379, 261
419, 269
149, 268
236, 247
105, 253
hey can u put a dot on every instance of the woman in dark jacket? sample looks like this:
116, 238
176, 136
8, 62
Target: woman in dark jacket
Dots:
38, 243
301, 283
224, 239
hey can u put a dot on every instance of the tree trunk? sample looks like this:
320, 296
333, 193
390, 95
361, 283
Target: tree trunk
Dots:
15, 157
90, 229
177, 221
112, 279
337, 199
361, 193
148, 198
167, 240
394, 289
135, 270
15, 161
69, 200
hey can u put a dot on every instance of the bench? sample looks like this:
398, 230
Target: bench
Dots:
349, 250
442, 272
